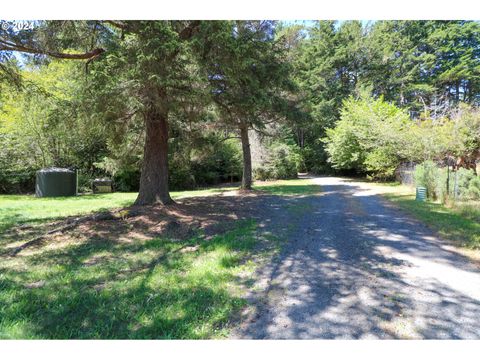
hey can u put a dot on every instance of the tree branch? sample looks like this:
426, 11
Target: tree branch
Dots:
117, 24
10, 46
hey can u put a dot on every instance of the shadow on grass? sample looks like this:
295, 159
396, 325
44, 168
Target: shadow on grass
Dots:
455, 227
31, 210
156, 289
104, 289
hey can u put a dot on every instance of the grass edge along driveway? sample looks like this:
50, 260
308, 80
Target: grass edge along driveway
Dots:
459, 224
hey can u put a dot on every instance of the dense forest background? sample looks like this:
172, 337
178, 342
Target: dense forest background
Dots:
346, 97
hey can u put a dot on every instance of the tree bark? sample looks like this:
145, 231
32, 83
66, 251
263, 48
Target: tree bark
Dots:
154, 176
247, 158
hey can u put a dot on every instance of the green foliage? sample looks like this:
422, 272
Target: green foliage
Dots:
424, 67
36, 131
373, 137
283, 163
468, 184
220, 161
366, 137
120, 290
463, 184
45, 124
458, 224
249, 74
473, 190
426, 175
17, 170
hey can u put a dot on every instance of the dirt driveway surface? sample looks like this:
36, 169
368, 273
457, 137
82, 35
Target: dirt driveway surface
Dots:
355, 267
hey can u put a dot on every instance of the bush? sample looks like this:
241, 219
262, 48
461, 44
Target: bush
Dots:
210, 163
468, 184
463, 183
441, 193
381, 163
262, 173
368, 137
426, 175
12, 182
84, 182
127, 180
283, 163
473, 190
181, 176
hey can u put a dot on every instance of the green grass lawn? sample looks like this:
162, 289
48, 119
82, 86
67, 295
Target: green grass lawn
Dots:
142, 290
98, 288
18, 209
289, 187
458, 222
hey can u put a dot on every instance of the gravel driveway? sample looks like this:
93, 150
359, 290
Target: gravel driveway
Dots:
355, 267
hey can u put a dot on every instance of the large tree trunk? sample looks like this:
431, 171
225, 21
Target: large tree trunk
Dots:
247, 158
154, 177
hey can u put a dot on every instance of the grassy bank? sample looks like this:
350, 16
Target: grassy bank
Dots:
458, 222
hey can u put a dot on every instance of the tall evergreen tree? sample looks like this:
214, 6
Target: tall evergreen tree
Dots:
144, 60
250, 80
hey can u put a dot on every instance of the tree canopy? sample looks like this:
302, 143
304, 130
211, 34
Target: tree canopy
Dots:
178, 104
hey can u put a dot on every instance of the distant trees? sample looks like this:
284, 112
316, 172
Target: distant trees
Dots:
155, 79
424, 67
146, 94
250, 79
46, 123
374, 136
144, 70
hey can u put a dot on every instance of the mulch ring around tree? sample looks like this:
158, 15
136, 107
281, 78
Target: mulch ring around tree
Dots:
208, 215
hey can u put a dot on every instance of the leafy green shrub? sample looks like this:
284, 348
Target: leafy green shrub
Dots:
381, 163
13, 182
426, 175
84, 182
262, 173
473, 190
217, 163
181, 175
463, 183
127, 180
468, 184
283, 163
368, 137
441, 193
